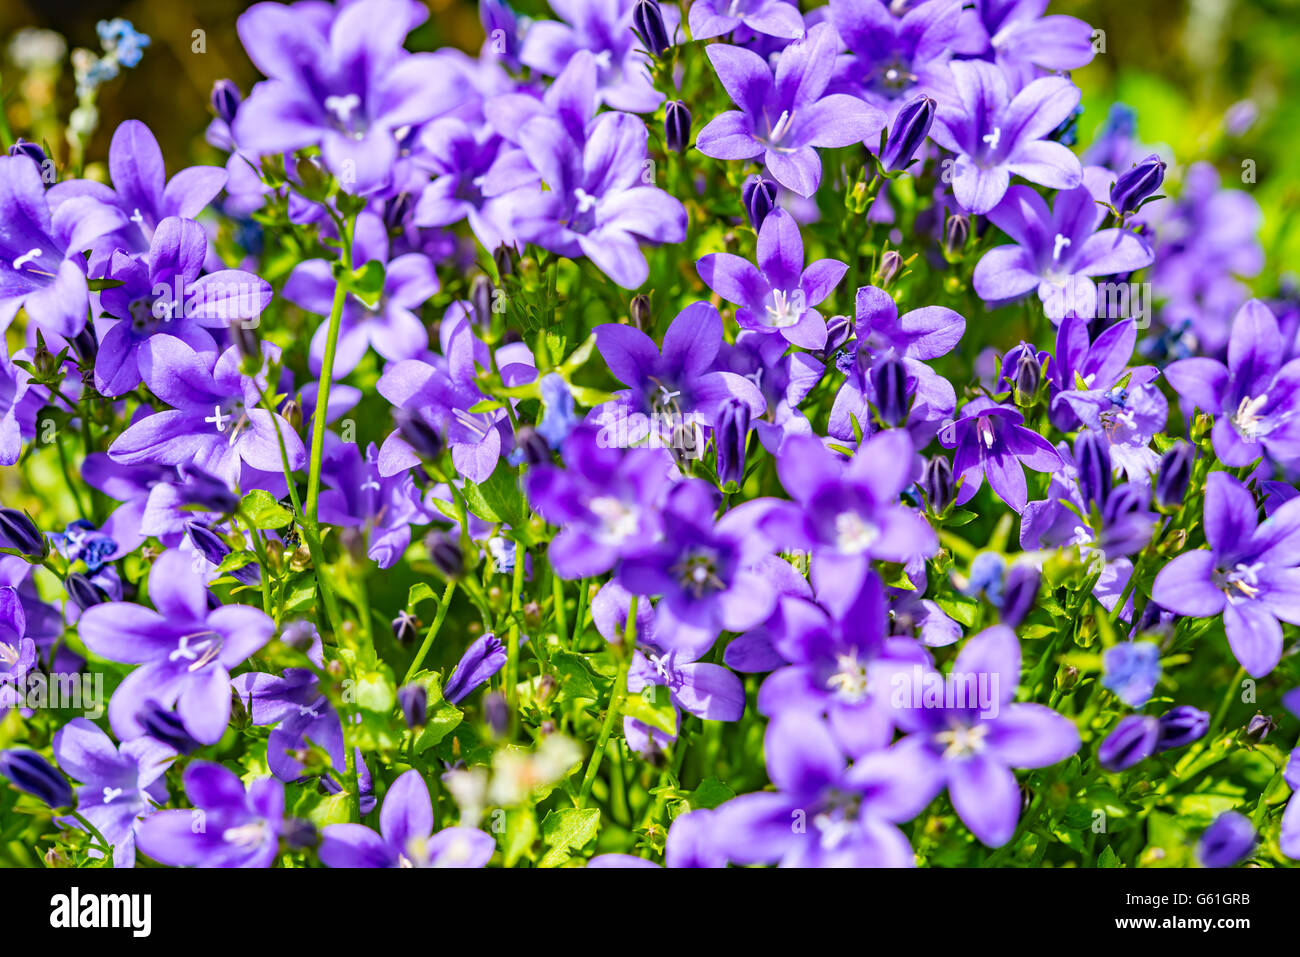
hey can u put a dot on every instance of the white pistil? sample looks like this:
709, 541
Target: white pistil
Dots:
618, 522
853, 534
994, 138
585, 200
962, 740
246, 835
1060, 243
850, 681
342, 107
111, 795
984, 429
781, 127
28, 257
1248, 418
783, 308
218, 419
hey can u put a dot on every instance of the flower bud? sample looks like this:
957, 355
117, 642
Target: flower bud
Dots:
908, 133
891, 263
532, 446
496, 711
503, 258
29, 149
397, 211
1260, 726
30, 772
838, 330
414, 699
446, 555
937, 483
19, 532
299, 834
1174, 474
730, 437
405, 627
1137, 184
1027, 376
639, 312
225, 100
1182, 725
1020, 592
759, 196
481, 294
892, 400
677, 126
1133, 740
648, 25
1092, 457
165, 726
418, 433
955, 233
86, 345
215, 549
1226, 842
83, 591
205, 489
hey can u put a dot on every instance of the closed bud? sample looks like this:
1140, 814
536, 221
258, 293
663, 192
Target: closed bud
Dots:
29, 149
503, 258
1137, 184
481, 294
225, 100
312, 180
165, 726
648, 25
891, 263
838, 330
405, 627
730, 436
397, 211
1019, 593
1228, 841
532, 446
1174, 474
677, 126
83, 591
759, 196
1133, 740
908, 133
1182, 725
1067, 677
496, 711
1260, 726
639, 312
685, 444
244, 337
414, 699
299, 834
892, 400
1092, 458
1124, 499
31, 773
298, 634
1028, 374
86, 345
937, 483
19, 532
955, 232
446, 555
418, 433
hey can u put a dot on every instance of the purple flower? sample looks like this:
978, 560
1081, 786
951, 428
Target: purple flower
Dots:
1132, 670
227, 827
784, 115
357, 496
120, 787
17, 651
992, 443
773, 18
1227, 841
392, 325
971, 746
996, 136
846, 511
141, 196
824, 812
1255, 399
345, 85
779, 294
1023, 42
214, 423
704, 570
463, 161
784, 379
1132, 740
1056, 252
481, 660
405, 837
41, 269
605, 502
1250, 573
164, 292
892, 58
185, 650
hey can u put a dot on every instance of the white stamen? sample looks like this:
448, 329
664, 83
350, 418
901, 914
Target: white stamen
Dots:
962, 740
218, 419
342, 106
28, 257
984, 429
111, 794
994, 138
1060, 243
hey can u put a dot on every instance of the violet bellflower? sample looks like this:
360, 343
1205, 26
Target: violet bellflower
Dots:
358, 496
777, 295
772, 18
346, 86
1023, 42
996, 136
165, 293
406, 837
784, 379
41, 268
992, 443
1057, 251
185, 650
1255, 398
119, 786
227, 827
971, 746
1250, 573
785, 115
485, 656
17, 651
215, 421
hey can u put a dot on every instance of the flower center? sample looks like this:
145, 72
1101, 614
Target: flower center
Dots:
993, 139
343, 108
1249, 418
246, 835
1242, 583
984, 429
850, 681
1059, 244
8, 654
698, 574
781, 127
962, 741
784, 308
618, 521
199, 653
853, 533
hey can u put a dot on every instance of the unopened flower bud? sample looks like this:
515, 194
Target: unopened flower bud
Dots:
84, 592
909, 131
1137, 184
414, 699
892, 400
1092, 457
838, 330
30, 772
29, 149
937, 483
446, 555
418, 433
86, 345
955, 233
648, 24
639, 312
890, 265
1028, 374
1133, 740
299, 834
1174, 474
1019, 593
165, 725
1260, 726
1227, 841
481, 294
406, 627
730, 436
504, 259
677, 126
1182, 725
19, 532
759, 196
532, 446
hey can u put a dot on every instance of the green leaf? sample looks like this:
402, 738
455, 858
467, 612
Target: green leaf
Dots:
521, 832
374, 692
264, 512
710, 794
420, 592
566, 830
575, 676
499, 500
1108, 858
652, 706
958, 607
366, 283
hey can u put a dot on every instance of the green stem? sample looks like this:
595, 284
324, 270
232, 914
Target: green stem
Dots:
616, 698
431, 634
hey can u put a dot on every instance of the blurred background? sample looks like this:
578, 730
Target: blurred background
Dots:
1183, 65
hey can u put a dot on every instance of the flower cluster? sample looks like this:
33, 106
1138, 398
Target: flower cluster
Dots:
713, 436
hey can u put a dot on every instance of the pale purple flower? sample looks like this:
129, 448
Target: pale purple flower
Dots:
773, 18
992, 442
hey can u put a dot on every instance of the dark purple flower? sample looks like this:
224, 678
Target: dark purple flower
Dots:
29, 772
481, 660
1227, 841
1181, 726
358, 496
992, 443
1132, 740
784, 115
